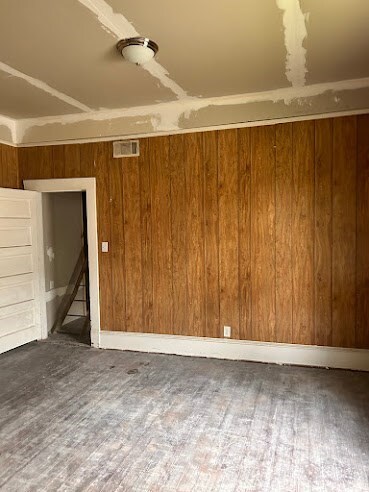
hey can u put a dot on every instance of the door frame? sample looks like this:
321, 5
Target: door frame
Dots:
87, 185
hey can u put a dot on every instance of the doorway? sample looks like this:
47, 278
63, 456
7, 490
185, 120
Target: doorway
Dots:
66, 266
69, 224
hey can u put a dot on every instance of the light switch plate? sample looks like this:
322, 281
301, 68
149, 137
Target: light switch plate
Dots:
105, 247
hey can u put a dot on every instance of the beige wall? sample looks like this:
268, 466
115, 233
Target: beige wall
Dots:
63, 229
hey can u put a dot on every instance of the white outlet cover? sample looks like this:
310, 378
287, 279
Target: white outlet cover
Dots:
227, 331
105, 247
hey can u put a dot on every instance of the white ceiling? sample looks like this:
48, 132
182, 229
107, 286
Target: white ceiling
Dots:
59, 64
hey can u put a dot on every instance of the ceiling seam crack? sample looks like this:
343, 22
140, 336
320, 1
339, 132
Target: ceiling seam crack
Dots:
295, 32
43, 86
121, 28
166, 116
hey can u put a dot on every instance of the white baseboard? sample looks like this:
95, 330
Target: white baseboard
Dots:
276, 353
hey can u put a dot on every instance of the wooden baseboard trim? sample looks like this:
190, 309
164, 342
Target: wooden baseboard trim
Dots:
275, 353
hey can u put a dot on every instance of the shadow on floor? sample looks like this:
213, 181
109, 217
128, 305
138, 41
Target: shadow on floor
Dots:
73, 332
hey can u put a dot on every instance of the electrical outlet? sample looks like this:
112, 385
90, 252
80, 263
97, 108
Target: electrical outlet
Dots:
227, 332
105, 247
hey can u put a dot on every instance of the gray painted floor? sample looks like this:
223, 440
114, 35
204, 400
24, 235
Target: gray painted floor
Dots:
74, 418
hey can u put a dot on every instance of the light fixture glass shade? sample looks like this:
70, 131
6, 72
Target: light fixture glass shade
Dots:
137, 50
138, 54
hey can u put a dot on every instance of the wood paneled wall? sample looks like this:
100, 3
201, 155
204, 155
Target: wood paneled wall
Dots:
264, 229
8, 167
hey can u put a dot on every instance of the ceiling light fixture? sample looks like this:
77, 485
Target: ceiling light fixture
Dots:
137, 50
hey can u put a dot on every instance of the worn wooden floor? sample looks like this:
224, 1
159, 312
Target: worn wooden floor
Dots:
74, 418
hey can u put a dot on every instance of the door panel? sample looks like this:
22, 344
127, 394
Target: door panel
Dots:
14, 208
14, 290
15, 264
17, 317
21, 268
15, 237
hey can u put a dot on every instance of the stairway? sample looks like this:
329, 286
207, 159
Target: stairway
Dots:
75, 303
78, 308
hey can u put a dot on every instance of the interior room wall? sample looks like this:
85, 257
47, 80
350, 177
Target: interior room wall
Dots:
264, 229
63, 229
8, 166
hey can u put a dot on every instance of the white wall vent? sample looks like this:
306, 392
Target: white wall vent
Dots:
126, 148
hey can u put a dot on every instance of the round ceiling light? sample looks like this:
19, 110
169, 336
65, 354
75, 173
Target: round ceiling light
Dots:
137, 50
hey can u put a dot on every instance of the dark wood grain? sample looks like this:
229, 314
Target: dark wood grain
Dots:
263, 229
323, 232
228, 230
303, 232
362, 235
263, 233
344, 232
180, 243
132, 243
244, 231
284, 203
211, 234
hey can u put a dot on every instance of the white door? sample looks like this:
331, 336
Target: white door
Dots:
22, 304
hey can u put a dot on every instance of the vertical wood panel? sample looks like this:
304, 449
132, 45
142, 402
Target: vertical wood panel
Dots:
132, 243
344, 232
58, 158
179, 234
228, 230
362, 260
46, 162
223, 228
284, 202
146, 236
118, 266
263, 233
210, 156
72, 166
87, 160
104, 233
195, 233
323, 232
9, 170
30, 163
303, 232
161, 235
244, 231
